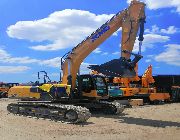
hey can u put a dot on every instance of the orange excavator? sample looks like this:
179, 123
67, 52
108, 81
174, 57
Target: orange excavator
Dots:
148, 89
72, 99
129, 88
145, 91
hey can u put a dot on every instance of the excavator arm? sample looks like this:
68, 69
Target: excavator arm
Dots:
129, 19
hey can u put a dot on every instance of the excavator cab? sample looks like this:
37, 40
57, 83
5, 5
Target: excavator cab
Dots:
92, 86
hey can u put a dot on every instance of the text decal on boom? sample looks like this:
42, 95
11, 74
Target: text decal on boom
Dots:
100, 33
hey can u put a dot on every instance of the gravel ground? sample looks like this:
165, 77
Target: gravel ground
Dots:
145, 122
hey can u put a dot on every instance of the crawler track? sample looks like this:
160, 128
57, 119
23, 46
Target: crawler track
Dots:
104, 107
55, 112
113, 108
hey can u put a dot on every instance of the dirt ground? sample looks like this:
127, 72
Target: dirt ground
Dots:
141, 123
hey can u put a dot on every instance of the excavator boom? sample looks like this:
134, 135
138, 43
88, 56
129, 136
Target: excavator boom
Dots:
129, 19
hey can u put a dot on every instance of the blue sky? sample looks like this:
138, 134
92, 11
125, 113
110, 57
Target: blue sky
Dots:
35, 34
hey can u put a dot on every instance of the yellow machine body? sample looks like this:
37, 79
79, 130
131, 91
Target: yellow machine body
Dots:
22, 92
35, 92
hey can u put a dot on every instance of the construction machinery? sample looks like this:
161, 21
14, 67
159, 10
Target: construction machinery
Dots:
132, 89
166, 83
148, 90
175, 93
126, 85
122, 87
160, 87
71, 100
4, 88
45, 77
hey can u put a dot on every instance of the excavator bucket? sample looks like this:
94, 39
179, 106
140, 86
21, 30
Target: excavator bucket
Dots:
115, 68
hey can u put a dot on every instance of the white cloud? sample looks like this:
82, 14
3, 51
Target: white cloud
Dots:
97, 50
116, 33
170, 56
21, 60
54, 62
84, 68
7, 58
3, 54
13, 69
155, 29
148, 60
169, 30
150, 56
54, 75
156, 4
149, 41
115, 53
129, 1
105, 53
64, 28
156, 67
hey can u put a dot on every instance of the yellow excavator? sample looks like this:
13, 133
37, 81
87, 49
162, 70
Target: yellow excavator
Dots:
77, 95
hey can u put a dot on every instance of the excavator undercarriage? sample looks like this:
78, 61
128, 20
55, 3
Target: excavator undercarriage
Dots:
70, 113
